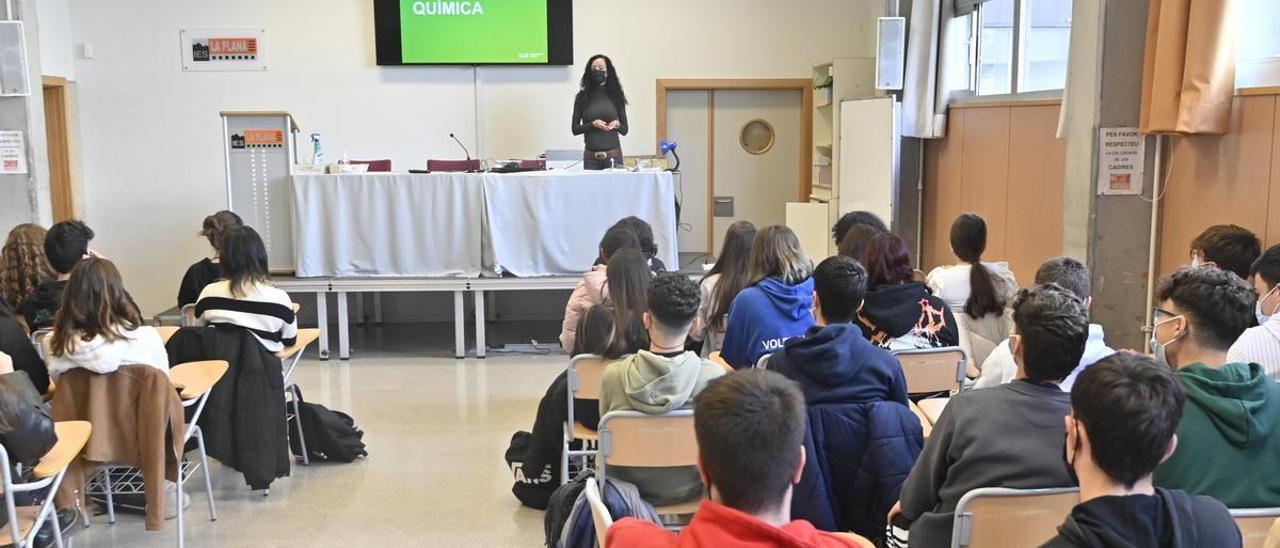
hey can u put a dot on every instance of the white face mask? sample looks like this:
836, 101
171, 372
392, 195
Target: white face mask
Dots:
1160, 349
1257, 308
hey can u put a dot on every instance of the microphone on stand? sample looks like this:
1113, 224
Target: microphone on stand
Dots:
464, 151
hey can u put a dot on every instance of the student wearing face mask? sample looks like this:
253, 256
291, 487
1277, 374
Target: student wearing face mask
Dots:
600, 114
1228, 431
1124, 412
1261, 344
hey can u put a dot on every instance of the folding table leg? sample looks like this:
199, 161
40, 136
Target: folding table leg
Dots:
459, 327
322, 319
377, 308
344, 328
479, 311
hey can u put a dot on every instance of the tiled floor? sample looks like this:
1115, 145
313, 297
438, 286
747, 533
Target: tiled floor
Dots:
436, 430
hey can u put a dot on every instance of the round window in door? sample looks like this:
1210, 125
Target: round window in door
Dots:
756, 137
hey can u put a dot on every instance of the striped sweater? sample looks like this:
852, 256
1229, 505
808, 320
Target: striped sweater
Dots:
1260, 345
264, 310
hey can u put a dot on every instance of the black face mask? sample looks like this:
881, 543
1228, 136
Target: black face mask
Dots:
599, 76
1071, 470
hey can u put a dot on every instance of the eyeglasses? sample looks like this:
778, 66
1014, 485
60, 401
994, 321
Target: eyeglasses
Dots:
1157, 312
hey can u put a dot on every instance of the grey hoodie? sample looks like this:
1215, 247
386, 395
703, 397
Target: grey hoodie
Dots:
655, 384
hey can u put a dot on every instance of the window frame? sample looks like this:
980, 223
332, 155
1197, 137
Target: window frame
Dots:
1016, 77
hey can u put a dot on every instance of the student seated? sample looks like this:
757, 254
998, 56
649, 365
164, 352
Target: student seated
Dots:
1228, 247
1261, 344
855, 241
722, 283
852, 219
208, 269
99, 327
23, 264
246, 298
663, 378
65, 244
644, 232
976, 287
1007, 436
776, 303
833, 362
750, 428
899, 313
15, 343
593, 289
1124, 412
1000, 368
1228, 433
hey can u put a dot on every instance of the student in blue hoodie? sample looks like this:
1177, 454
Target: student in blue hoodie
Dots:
776, 304
833, 362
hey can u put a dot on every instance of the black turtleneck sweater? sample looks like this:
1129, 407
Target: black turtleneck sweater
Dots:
596, 105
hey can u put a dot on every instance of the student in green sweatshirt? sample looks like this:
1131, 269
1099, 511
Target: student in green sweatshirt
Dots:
664, 378
1227, 440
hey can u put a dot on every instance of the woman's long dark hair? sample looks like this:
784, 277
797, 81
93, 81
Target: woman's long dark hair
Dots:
968, 242
244, 259
595, 331
734, 267
629, 277
887, 260
856, 239
612, 86
94, 304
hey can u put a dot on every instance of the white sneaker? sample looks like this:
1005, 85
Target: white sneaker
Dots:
171, 500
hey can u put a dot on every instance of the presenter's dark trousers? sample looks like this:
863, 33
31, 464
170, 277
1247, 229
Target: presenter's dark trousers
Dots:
600, 159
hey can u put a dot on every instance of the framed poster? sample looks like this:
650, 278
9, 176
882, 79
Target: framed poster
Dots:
223, 49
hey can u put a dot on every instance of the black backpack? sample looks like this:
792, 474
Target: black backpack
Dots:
330, 435
560, 506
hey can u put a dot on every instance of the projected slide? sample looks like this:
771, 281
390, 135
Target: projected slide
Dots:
473, 31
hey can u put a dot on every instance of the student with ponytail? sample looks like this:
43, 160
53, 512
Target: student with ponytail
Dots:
977, 288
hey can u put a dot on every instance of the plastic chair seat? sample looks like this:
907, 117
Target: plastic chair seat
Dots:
581, 432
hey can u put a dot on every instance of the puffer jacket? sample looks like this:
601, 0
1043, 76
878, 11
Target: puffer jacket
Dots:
592, 290
980, 337
32, 434
858, 456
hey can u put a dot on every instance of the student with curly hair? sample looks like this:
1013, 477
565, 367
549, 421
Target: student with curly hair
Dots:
1229, 429
23, 264
663, 378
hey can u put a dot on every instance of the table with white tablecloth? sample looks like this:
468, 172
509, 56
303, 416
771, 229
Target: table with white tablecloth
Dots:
468, 225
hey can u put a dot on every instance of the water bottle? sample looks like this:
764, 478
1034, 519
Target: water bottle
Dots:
317, 152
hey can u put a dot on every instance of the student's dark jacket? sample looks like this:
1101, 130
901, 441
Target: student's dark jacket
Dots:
243, 422
1168, 519
909, 312
836, 364
15, 343
198, 275
858, 456
39, 307
32, 434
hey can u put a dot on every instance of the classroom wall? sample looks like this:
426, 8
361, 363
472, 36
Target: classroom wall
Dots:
1226, 179
152, 150
1002, 162
55, 38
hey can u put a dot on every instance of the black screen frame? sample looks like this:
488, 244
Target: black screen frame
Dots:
386, 26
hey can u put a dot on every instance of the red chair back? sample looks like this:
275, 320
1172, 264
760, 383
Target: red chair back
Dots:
375, 166
453, 165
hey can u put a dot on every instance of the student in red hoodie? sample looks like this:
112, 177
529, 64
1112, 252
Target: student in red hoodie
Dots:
750, 427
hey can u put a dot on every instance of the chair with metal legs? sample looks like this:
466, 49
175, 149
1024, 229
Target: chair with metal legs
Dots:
293, 355
26, 521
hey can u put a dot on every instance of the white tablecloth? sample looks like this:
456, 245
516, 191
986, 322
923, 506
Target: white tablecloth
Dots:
545, 223
463, 225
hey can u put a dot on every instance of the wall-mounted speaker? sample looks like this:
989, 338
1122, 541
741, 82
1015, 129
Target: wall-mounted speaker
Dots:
14, 80
891, 52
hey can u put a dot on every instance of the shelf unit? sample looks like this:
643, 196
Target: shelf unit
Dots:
835, 81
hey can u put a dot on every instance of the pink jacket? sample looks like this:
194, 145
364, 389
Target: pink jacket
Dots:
591, 291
